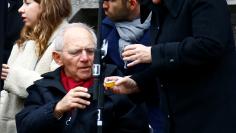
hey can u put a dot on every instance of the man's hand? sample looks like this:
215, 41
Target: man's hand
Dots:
136, 54
123, 85
5, 71
75, 98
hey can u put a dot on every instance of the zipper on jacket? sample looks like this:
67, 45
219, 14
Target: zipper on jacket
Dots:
68, 121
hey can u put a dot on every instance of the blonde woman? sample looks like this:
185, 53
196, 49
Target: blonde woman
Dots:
31, 56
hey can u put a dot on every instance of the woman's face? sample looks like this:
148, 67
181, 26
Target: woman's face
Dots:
30, 11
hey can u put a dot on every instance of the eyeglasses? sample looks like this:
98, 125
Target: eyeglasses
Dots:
78, 52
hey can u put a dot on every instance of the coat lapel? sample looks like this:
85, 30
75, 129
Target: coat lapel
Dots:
173, 6
52, 80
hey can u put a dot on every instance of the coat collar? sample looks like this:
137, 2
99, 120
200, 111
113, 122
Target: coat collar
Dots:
106, 21
51, 80
173, 6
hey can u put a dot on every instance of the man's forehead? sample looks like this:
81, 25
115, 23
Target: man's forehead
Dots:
77, 32
78, 42
72, 30
78, 37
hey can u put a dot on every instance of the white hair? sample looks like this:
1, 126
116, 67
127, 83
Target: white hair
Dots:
59, 40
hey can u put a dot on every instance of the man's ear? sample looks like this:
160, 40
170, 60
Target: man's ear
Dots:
133, 4
57, 57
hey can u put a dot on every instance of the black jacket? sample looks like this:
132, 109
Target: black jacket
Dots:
13, 27
3, 11
194, 57
120, 115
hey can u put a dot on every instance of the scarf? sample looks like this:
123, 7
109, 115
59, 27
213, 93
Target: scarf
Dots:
69, 83
131, 31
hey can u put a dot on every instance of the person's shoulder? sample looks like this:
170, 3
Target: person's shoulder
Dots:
34, 88
29, 42
46, 82
57, 31
52, 74
28, 45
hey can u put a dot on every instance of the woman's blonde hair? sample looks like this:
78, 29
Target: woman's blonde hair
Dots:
52, 15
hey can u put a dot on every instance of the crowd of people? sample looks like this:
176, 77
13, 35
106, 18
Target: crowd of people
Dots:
172, 63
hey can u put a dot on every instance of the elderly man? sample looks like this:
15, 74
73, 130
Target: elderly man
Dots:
61, 102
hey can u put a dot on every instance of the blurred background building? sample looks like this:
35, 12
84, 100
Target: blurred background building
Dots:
85, 11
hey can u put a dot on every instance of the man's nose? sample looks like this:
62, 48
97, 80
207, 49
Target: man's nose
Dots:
105, 4
84, 56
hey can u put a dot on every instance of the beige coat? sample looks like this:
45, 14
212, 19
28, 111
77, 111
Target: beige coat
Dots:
25, 68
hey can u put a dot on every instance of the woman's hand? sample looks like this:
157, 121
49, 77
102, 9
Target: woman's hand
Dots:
5, 71
136, 54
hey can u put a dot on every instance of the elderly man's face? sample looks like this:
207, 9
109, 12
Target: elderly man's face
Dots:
78, 54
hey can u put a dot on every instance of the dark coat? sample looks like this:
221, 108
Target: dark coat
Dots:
120, 115
13, 27
195, 59
3, 11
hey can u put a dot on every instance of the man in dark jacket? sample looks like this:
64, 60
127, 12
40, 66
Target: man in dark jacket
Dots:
120, 28
61, 102
194, 57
